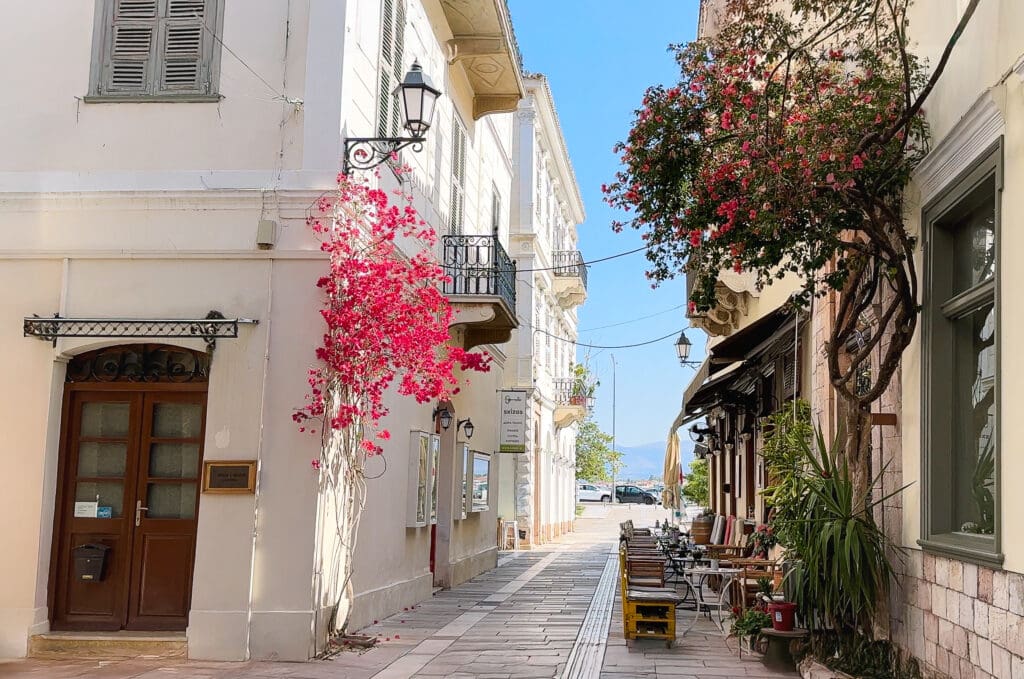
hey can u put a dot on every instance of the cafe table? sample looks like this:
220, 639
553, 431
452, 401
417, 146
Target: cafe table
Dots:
698, 575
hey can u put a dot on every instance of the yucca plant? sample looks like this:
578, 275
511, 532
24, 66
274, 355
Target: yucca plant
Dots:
843, 570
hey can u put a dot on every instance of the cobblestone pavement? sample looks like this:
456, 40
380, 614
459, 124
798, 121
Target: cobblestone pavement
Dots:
518, 621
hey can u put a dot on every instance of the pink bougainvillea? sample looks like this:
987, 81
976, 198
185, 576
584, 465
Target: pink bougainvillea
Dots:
385, 314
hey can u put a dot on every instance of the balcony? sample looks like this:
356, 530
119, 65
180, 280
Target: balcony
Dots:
733, 293
484, 44
481, 288
570, 278
570, 406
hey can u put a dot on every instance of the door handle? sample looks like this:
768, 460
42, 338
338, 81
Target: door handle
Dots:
138, 512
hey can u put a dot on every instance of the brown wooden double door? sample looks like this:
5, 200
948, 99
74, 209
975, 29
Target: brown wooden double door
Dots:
129, 480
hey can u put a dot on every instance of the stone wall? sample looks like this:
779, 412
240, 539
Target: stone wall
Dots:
961, 620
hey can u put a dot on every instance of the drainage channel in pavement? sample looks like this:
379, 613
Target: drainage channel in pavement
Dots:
587, 654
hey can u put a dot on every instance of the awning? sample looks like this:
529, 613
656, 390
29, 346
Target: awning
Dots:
705, 395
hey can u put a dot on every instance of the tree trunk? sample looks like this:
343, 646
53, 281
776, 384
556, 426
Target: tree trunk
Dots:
857, 449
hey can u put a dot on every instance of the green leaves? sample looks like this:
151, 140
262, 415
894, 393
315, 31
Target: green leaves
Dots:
830, 528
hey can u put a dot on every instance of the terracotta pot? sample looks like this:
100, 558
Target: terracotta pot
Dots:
700, 529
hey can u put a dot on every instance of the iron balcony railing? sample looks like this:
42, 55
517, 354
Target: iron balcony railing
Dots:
567, 393
478, 265
570, 263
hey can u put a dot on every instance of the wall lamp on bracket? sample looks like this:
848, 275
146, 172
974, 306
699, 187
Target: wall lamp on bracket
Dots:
468, 424
417, 96
683, 346
444, 414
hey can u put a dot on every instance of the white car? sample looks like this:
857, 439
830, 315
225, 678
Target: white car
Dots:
588, 492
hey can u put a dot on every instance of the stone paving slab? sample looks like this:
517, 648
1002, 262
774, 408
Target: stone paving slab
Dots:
517, 621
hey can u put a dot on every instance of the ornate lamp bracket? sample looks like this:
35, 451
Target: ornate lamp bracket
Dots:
365, 153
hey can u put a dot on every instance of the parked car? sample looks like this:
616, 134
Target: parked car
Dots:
633, 494
588, 492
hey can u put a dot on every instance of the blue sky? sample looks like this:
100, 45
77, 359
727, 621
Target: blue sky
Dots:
599, 57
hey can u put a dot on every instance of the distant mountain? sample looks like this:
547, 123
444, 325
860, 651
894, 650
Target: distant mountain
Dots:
647, 460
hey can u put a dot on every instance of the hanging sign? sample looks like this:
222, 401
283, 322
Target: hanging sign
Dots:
512, 435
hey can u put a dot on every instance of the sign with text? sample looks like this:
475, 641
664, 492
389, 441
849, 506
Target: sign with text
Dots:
229, 476
512, 435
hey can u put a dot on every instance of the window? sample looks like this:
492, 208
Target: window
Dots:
457, 218
392, 50
495, 212
155, 49
961, 370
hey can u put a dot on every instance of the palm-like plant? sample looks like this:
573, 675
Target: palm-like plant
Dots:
843, 570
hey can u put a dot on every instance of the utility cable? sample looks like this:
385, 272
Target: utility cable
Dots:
569, 266
603, 346
634, 320
283, 97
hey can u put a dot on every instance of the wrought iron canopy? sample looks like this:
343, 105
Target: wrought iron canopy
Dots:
211, 328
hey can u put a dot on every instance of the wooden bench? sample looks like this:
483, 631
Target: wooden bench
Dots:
647, 612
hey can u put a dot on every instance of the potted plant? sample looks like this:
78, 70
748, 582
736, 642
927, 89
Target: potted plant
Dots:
762, 540
748, 624
583, 386
700, 529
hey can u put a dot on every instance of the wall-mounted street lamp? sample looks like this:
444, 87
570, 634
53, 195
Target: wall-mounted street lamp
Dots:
683, 346
467, 424
417, 96
444, 414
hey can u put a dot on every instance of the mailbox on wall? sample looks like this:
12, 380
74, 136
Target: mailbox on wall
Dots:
90, 561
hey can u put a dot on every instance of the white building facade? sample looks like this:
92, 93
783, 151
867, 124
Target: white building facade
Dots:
161, 160
539, 484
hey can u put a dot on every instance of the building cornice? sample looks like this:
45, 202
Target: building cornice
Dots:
976, 131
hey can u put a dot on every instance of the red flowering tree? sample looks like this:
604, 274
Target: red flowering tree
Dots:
785, 147
386, 330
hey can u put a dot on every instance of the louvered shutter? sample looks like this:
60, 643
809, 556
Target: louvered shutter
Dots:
130, 52
458, 217
392, 47
182, 47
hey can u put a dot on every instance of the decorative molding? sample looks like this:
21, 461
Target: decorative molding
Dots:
978, 129
1018, 68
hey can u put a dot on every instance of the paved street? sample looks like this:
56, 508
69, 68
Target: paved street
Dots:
542, 613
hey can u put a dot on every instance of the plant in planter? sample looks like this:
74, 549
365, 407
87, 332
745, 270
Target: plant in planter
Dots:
762, 540
749, 623
584, 386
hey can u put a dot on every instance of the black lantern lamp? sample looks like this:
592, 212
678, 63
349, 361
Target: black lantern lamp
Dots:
445, 416
683, 346
417, 97
467, 424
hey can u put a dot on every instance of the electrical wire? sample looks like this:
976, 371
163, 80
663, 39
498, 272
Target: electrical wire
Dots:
634, 320
567, 266
603, 346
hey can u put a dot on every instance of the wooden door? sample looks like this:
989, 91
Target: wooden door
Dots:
128, 447
166, 500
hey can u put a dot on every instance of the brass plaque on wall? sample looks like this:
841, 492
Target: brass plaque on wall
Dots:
229, 476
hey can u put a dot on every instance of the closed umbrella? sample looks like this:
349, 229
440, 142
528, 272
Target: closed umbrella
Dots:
669, 498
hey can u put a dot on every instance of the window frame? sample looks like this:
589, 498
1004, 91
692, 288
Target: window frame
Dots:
103, 24
936, 392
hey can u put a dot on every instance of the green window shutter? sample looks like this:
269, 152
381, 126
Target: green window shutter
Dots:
183, 47
129, 54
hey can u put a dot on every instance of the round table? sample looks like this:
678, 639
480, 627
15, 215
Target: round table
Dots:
702, 573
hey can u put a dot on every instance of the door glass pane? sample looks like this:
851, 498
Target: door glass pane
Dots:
105, 419
974, 239
171, 500
102, 459
174, 460
974, 389
111, 494
177, 420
